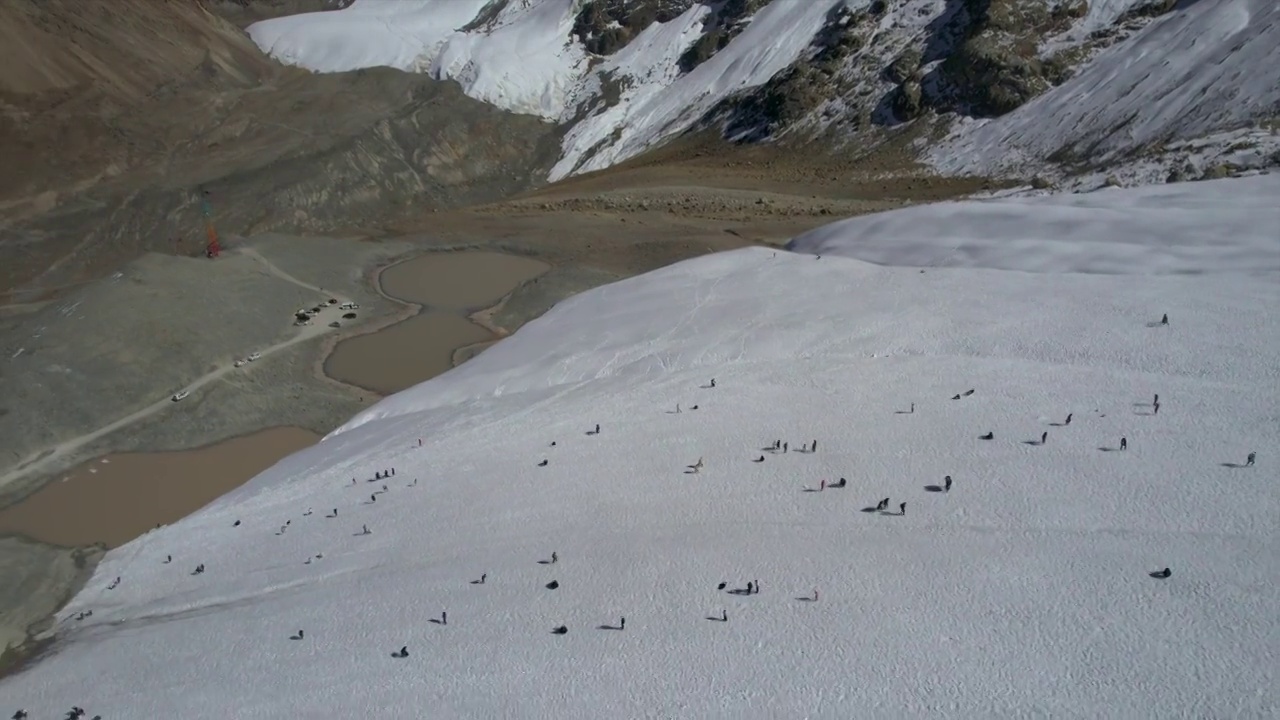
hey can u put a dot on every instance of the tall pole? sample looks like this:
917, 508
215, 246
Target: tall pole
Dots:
213, 248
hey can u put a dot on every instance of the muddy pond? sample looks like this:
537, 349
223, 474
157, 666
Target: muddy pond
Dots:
449, 287
116, 498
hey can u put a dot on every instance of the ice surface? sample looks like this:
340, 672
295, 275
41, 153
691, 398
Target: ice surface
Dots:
1021, 592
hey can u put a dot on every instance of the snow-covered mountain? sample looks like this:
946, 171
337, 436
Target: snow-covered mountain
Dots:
1021, 589
1033, 84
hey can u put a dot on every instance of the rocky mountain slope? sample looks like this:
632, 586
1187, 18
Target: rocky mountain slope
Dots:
120, 115
1019, 87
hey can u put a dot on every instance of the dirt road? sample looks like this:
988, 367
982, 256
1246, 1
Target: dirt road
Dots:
320, 326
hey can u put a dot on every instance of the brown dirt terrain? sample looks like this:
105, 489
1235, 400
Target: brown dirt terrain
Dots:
698, 194
122, 114
243, 13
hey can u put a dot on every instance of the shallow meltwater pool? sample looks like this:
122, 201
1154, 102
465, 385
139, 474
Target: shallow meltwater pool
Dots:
447, 285
118, 497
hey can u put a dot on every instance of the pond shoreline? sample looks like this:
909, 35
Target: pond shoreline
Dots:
432, 320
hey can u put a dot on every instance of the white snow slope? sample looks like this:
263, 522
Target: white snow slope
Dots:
522, 61
1207, 66
525, 60
1155, 230
1021, 592
657, 101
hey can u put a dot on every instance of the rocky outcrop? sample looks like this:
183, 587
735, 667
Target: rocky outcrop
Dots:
726, 20
796, 92
1148, 9
996, 67
908, 99
903, 67
606, 26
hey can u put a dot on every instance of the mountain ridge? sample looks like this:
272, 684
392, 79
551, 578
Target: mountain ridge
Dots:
624, 76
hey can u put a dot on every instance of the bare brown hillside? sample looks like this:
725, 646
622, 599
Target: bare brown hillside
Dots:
243, 13
117, 114
123, 48
75, 73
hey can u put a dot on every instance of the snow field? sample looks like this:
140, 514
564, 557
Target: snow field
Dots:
369, 33
1203, 68
1175, 229
522, 60
660, 101
1022, 591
